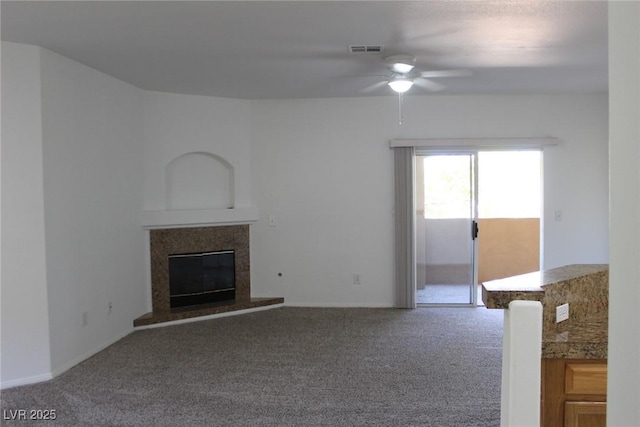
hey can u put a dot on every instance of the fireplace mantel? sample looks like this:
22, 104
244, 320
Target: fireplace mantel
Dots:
198, 217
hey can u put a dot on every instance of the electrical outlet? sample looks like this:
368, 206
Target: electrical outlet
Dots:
356, 279
85, 318
110, 307
562, 313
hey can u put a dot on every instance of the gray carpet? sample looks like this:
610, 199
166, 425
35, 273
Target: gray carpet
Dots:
446, 294
288, 367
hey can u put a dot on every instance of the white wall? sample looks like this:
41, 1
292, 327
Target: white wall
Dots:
624, 287
447, 240
92, 162
73, 179
25, 353
175, 125
323, 169
576, 177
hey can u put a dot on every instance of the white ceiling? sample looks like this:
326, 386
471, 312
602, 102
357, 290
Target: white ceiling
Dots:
274, 49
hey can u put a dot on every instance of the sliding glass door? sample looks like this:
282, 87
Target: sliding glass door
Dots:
445, 227
439, 258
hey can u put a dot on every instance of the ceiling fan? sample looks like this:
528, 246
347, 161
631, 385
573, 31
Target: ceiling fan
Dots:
403, 75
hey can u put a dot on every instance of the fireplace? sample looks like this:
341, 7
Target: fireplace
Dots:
190, 255
194, 254
201, 278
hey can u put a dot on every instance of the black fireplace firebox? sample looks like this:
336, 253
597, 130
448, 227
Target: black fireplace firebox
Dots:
201, 278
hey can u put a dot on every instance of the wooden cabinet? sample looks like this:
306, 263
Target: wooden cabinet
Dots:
585, 378
574, 393
585, 414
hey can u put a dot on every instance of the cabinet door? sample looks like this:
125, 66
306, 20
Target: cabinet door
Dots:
582, 378
585, 414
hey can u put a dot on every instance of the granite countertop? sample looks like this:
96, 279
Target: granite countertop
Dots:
585, 287
530, 287
587, 339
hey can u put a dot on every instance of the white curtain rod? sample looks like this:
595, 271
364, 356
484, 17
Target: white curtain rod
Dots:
516, 142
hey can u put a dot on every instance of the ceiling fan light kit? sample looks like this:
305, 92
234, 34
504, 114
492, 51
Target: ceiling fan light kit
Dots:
401, 66
400, 84
404, 75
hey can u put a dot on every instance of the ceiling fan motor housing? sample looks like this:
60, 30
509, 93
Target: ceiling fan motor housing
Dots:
401, 64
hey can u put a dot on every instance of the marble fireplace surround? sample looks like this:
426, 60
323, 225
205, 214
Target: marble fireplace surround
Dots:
164, 242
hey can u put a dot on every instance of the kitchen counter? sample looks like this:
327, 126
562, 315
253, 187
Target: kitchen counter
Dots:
587, 339
531, 286
585, 287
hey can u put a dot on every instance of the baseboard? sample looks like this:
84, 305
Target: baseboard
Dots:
208, 317
26, 381
336, 305
64, 368
60, 370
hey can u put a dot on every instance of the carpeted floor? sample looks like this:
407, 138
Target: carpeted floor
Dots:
446, 294
288, 367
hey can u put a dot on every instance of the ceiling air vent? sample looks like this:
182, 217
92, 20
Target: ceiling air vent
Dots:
365, 48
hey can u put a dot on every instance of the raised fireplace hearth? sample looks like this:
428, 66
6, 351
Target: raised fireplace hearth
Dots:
200, 271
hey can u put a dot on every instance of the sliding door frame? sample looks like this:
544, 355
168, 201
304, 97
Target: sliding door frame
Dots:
473, 217
405, 253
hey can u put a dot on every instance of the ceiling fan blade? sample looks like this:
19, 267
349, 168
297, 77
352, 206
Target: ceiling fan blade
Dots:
445, 73
364, 76
374, 87
428, 84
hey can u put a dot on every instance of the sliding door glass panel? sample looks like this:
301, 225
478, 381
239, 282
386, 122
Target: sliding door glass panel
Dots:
509, 207
445, 214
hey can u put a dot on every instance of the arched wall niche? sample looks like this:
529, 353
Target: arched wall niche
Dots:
199, 180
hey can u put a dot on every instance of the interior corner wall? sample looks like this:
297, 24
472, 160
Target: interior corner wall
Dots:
92, 163
25, 356
176, 124
623, 392
323, 170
